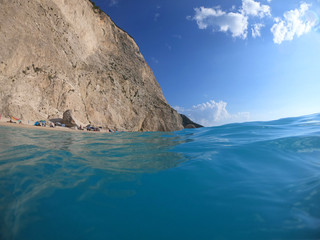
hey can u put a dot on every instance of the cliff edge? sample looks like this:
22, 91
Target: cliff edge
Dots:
57, 55
188, 123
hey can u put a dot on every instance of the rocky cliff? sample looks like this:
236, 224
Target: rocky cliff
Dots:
66, 54
188, 123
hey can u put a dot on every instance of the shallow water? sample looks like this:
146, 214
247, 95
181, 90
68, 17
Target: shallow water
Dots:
258, 180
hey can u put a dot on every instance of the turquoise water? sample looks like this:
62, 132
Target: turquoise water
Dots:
258, 180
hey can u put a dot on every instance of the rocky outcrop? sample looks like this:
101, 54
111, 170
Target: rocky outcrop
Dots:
188, 123
68, 119
57, 55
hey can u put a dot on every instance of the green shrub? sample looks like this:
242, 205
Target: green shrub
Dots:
95, 7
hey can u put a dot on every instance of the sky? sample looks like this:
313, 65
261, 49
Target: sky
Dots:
224, 61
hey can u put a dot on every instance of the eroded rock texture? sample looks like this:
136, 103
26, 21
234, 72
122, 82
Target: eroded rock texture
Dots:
64, 54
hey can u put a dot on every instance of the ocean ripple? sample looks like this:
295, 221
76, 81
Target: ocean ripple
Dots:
256, 180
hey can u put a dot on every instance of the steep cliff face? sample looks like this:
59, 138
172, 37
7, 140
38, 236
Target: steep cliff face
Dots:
64, 54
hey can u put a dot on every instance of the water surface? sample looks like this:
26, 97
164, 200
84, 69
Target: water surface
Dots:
258, 180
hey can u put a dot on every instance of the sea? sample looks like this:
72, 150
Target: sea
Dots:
255, 180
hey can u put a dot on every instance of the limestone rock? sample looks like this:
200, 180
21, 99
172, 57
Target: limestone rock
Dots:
57, 55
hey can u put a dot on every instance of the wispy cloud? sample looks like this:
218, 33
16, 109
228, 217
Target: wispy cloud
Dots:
113, 2
178, 36
256, 30
294, 23
156, 61
213, 113
156, 16
168, 46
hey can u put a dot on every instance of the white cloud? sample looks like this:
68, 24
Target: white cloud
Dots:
212, 113
253, 8
236, 22
218, 20
295, 23
256, 30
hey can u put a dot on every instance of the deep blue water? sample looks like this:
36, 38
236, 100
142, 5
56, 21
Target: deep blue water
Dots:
258, 180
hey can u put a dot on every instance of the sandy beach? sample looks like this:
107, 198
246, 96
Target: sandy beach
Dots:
5, 122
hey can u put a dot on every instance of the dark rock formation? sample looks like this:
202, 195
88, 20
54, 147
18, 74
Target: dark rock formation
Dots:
68, 119
188, 123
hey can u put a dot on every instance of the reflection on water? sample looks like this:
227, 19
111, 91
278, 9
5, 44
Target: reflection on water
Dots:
123, 152
36, 164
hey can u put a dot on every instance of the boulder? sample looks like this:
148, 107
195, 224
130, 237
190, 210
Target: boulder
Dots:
69, 120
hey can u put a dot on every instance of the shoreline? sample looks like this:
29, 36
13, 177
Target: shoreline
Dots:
4, 122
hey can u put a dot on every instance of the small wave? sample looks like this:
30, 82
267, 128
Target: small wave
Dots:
256, 180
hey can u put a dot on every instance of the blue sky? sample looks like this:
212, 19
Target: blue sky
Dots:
229, 61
